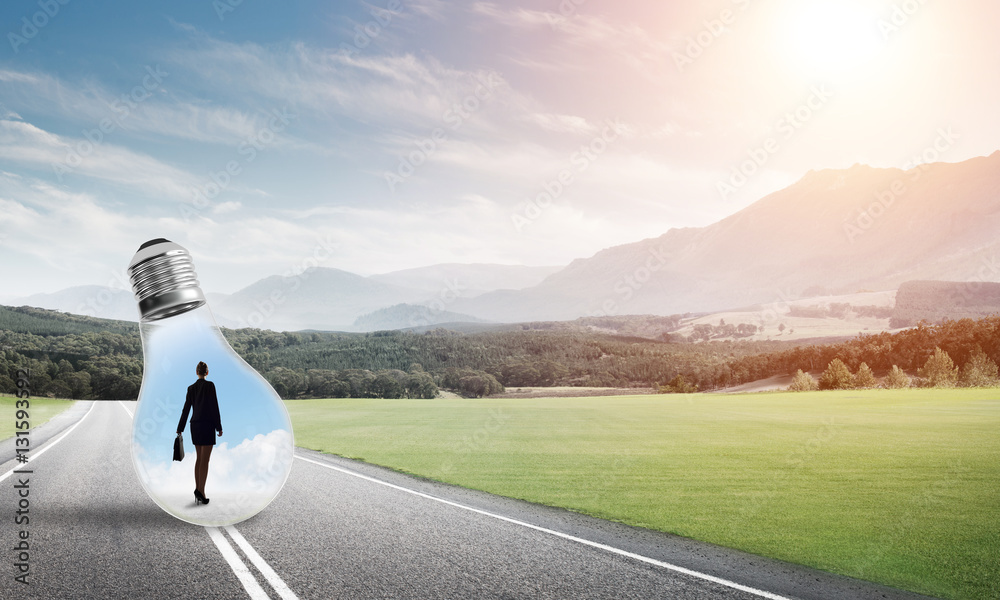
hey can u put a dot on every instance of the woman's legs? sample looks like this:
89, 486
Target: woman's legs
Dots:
201, 467
204, 467
199, 450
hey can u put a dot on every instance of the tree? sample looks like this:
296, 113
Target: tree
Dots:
479, 385
420, 385
678, 385
803, 382
940, 370
78, 384
865, 379
896, 379
836, 377
980, 371
58, 389
386, 386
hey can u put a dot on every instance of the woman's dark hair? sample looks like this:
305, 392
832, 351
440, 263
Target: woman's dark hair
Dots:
202, 369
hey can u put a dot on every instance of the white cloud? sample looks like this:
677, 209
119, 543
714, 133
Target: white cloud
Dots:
226, 207
145, 107
563, 123
62, 156
581, 32
391, 93
241, 479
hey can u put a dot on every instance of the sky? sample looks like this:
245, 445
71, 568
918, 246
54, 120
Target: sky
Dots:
270, 136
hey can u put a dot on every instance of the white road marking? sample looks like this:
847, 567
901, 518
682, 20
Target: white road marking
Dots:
236, 563
612, 549
265, 569
32, 455
242, 571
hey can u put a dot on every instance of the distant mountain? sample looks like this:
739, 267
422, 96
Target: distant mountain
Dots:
841, 230
467, 279
89, 300
319, 298
404, 316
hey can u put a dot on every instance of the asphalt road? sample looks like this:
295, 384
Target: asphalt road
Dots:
343, 529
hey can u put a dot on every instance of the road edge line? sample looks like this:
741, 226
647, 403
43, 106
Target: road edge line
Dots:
35, 454
605, 547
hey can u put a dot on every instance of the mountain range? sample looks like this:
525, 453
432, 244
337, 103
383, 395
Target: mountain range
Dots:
832, 232
322, 298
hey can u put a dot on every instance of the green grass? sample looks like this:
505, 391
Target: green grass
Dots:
39, 411
899, 487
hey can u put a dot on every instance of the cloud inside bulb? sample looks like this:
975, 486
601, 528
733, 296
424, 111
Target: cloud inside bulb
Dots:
237, 475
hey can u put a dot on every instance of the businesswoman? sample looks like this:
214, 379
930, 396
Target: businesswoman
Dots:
205, 421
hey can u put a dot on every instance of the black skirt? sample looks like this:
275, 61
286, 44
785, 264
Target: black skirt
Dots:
202, 433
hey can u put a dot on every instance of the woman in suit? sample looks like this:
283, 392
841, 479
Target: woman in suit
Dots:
205, 421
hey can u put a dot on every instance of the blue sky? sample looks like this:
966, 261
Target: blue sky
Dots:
400, 134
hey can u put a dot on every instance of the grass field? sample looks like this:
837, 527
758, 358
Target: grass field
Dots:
40, 411
900, 487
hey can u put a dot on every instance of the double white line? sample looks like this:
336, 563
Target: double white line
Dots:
240, 568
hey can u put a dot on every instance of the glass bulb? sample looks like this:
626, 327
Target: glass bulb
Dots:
252, 459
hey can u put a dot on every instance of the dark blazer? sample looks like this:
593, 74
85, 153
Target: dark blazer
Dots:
203, 404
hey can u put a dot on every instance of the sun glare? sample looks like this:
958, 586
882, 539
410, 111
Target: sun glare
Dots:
829, 37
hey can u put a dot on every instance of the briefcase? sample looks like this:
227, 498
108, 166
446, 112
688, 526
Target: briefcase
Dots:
179, 447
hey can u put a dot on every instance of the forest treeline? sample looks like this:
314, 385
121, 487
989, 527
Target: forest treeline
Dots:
83, 357
909, 350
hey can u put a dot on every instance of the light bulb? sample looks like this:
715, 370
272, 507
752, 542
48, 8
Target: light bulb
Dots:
252, 459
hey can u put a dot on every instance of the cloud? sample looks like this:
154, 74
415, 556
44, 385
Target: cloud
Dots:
150, 105
253, 464
64, 156
580, 31
564, 123
389, 93
241, 479
226, 207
